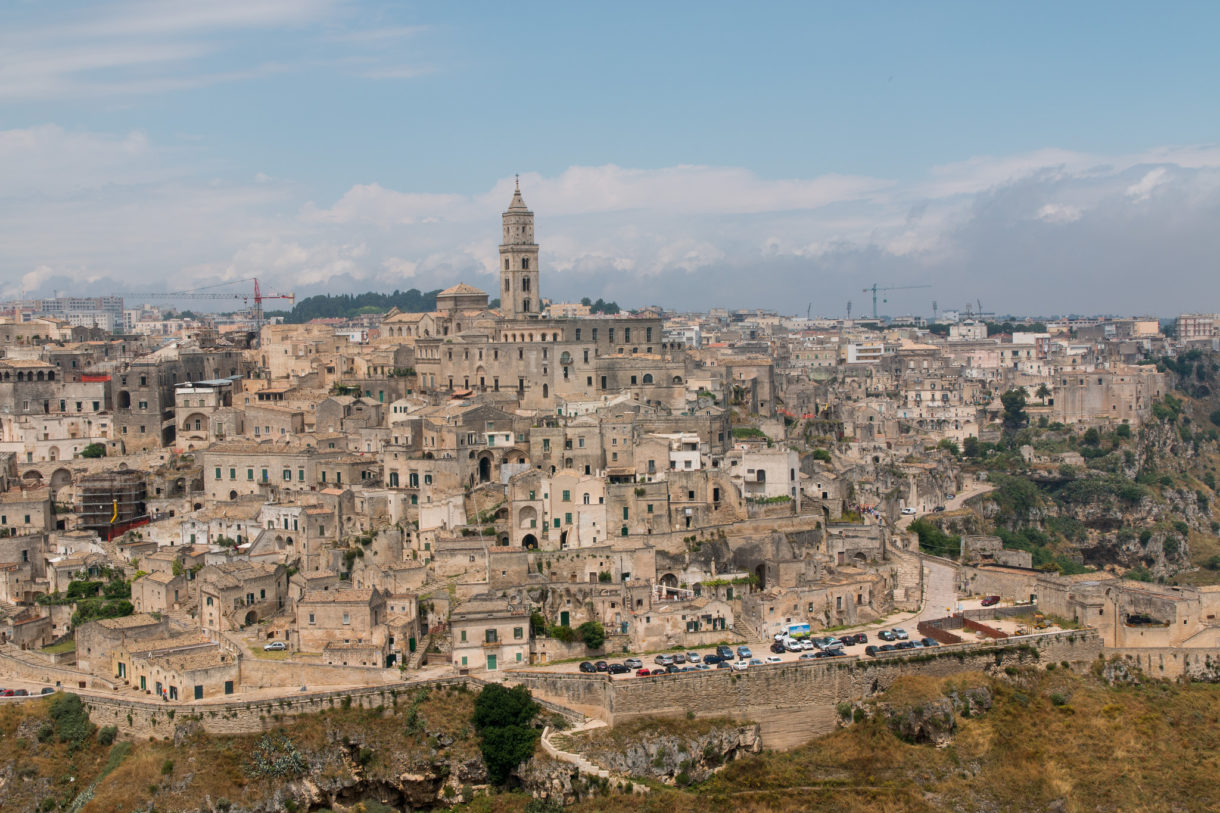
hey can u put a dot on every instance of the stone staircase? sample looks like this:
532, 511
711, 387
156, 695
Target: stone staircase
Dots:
416, 659
584, 765
748, 629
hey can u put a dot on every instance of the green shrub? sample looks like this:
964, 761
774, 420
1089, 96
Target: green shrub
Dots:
107, 734
70, 720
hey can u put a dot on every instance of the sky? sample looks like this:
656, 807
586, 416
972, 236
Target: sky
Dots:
1035, 157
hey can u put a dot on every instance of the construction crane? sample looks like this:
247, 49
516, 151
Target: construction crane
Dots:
875, 288
206, 293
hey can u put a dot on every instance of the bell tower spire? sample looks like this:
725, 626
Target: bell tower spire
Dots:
519, 297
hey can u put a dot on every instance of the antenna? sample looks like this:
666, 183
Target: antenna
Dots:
933, 311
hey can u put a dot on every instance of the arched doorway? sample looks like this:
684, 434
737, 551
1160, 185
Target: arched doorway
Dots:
485, 469
669, 580
251, 618
761, 573
232, 495
529, 542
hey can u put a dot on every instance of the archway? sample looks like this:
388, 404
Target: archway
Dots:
529, 542
53, 453
761, 573
251, 618
485, 469
232, 495
669, 580
59, 479
124, 399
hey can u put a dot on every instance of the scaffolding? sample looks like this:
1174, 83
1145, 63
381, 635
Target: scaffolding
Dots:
111, 500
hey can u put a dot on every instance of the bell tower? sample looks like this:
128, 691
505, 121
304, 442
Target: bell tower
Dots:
519, 295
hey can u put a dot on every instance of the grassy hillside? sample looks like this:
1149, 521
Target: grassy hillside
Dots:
1053, 741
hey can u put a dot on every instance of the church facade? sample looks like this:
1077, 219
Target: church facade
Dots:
466, 346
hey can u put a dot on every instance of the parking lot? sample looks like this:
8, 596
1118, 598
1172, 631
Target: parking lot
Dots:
757, 652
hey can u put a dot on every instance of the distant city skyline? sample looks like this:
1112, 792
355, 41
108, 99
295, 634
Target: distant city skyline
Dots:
1041, 158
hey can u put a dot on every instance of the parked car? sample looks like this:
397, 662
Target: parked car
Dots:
712, 660
755, 662
693, 657
663, 660
808, 656
21, 693
990, 601
909, 511
938, 509
587, 666
950, 496
793, 645
861, 637
634, 663
275, 646
725, 651
740, 666
702, 666
774, 659
642, 672
722, 665
47, 690
900, 633
886, 648
679, 657
871, 651
887, 635
743, 653
930, 642
618, 669
8, 693
806, 645
672, 669
904, 645
777, 648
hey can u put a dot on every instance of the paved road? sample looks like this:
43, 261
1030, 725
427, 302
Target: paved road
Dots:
972, 489
940, 591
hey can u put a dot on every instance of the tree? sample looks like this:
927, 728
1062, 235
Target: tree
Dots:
94, 450
1043, 392
503, 717
1091, 437
950, 446
1014, 409
971, 447
592, 633
820, 454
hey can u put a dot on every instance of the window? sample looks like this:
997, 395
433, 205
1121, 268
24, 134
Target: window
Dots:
232, 474
347, 619
249, 474
525, 265
567, 495
489, 636
463, 638
218, 472
288, 474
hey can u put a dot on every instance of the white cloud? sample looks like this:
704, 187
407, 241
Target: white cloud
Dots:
1058, 213
157, 46
1151, 180
119, 212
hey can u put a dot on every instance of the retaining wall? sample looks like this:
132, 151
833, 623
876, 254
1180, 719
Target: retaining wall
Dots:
795, 701
1174, 662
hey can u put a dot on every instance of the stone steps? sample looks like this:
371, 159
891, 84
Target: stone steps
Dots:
584, 765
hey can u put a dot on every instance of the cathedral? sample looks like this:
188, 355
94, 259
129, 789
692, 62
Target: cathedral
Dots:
464, 346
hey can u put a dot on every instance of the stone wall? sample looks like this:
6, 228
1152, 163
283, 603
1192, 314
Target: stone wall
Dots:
794, 702
1174, 662
143, 718
29, 667
258, 674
